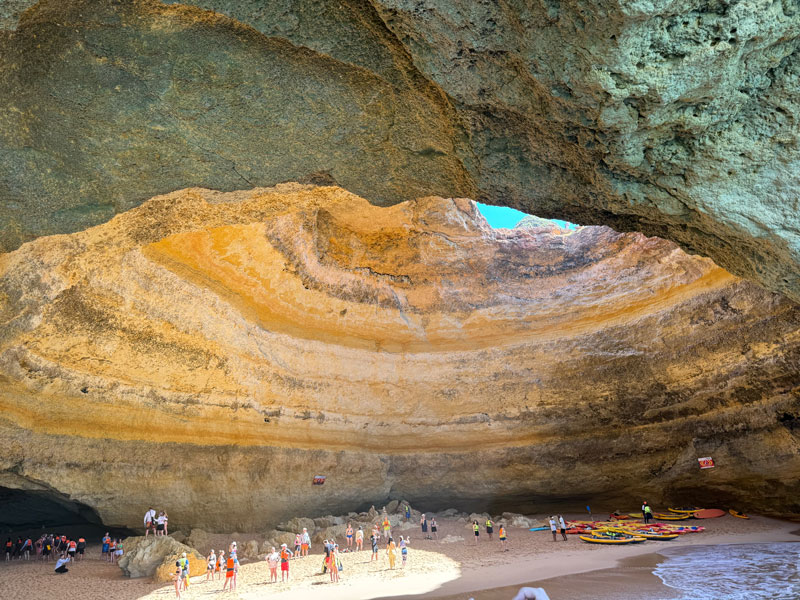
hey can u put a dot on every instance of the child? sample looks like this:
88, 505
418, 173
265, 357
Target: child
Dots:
298, 543
119, 549
112, 550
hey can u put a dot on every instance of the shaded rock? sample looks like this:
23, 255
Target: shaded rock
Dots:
392, 506
156, 556
297, 525
250, 549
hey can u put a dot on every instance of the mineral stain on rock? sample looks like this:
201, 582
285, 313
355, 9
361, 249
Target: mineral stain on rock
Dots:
214, 351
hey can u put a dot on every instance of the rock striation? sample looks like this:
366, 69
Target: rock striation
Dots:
211, 353
156, 556
675, 118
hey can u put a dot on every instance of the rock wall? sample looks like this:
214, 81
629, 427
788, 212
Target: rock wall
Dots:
675, 118
210, 353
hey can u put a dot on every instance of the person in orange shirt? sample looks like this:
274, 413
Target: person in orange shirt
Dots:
502, 536
285, 554
231, 569
112, 550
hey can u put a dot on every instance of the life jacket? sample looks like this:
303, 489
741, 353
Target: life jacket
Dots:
81, 541
284, 555
73, 544
489, 523
112, 546
502, 531
9, 544
229, 563
386, 523
475, 527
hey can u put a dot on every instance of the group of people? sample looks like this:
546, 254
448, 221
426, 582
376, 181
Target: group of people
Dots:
557, 523
111, 548
502, 535
46, 547
157, 523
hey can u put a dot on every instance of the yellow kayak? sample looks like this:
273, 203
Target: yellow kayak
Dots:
598, 540
670, 517
684, 511
738, 515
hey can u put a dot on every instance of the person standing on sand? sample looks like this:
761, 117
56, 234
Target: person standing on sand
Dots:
404, 549
553, 526
387, 527
423, 524
374, 539
104, 548
502, 535
220, 564
348, 534
273, 558
298, 543
563, 526
306, 542
391, 552
26, 548
231, 567
81, 547
648, 514
644, 511
149, 520
359, 539
477, 529
176, 577
183, 561
489, 528
334, 564
285, 554
211, 565
166, 524
434, 529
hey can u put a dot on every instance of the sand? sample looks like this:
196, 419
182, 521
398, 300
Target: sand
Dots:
435, 569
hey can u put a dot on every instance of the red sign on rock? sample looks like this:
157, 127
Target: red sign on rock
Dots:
706, 462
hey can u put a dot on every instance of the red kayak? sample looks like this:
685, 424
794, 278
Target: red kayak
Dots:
709, 513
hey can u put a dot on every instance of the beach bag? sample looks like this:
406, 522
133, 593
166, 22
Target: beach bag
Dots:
341, 568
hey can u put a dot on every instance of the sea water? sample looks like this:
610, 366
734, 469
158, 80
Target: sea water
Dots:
735, 572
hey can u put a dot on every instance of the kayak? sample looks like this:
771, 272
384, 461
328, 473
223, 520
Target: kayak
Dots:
738, 515
591, 539
538, 529
654, 535
684, 511
693, 529
709, 513
670, 517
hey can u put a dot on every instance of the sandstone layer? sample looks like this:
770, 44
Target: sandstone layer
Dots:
675, 118
210, 353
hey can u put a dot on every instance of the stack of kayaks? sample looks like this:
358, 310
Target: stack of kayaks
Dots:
611, 538
651, 533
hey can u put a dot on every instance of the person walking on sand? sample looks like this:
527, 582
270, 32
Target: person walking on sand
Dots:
391, 552
553, 526
176, 577
502, 535
273, 558
563, 527
489, 527
387, 527
477, 529
285, 554
374, 539
359, 539
348, 534
434, 529
149, 521
404, 542
648, 514
423, 525
211, 565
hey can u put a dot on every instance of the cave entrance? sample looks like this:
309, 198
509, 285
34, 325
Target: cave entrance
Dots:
33, 512
503, 217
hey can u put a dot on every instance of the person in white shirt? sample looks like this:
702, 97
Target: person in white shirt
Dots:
553, 527
160, 520
272, 561
149, 519
61, 564
563, 526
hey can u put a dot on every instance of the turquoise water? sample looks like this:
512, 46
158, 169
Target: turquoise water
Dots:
735, 572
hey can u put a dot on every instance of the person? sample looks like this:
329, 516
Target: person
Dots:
334, 563
407, 509
61, 564
374, 539
285, 554
563, 526
434, 529
166, 524
553, 526
648, 514
306, 542
211, 565
176, 577
105, 544
18, 548
9, 549
404, 549
231, 567
359, 538
220, 564
26, 548
326, 561
160, 523
39, 544
298, 543
489, 528
348, 533
477, 529
149, 519
112, 550
72, 549
423, 524
81, 547
387, 527
529, 593
502, 535
391, 552
47, 548
272, 562
183, 561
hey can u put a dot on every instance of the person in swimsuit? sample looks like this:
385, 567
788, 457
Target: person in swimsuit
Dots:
176, 577
391, 552
423, 523
333, 563
477, 529
404, 549
220, 563
298, 543
374, 539
434, 529
348, 533
360, 539
502, 535
273, 558
211, 565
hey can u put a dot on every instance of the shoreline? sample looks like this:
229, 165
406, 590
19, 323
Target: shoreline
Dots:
444, 571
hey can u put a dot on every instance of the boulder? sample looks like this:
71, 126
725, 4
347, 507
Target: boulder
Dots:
155, 557
297, 524
392, 506
198, 539
250, 549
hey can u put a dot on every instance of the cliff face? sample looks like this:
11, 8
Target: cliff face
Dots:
675, 118
212, 352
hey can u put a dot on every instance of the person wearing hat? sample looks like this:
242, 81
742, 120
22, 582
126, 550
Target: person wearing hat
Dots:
184, 564
285, 555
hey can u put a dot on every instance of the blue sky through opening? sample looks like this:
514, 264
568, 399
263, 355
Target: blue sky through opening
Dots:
502, 217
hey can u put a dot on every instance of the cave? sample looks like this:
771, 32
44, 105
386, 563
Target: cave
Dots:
32, 510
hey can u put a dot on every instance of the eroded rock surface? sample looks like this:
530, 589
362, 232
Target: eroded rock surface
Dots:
211, 353
675, 118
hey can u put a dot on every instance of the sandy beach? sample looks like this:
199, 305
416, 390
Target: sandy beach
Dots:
435, 569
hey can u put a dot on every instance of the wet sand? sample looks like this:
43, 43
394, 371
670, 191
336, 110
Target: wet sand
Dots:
447, 571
